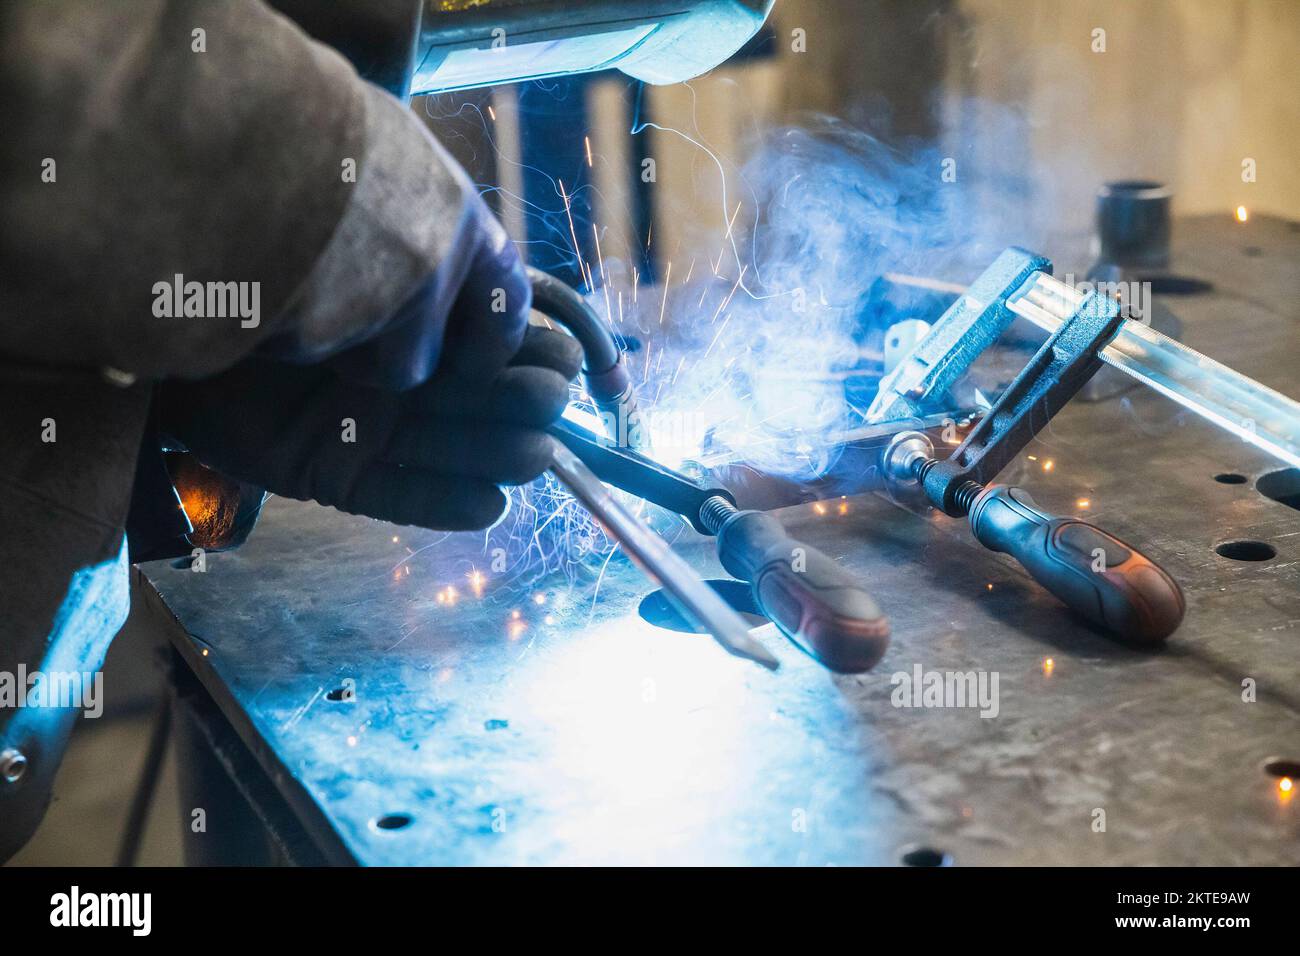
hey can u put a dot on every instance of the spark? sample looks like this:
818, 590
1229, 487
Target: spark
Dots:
1049, 665
721, 328
1243, 214
1083, 503
727, 300
689, 272
1049, 465
573, 232
476, 582
587, 141
599, 255
664, 303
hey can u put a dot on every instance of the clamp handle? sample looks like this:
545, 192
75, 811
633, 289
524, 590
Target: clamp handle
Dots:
815, 602
1093, 572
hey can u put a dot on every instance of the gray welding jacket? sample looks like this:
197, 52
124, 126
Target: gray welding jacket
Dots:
146, 140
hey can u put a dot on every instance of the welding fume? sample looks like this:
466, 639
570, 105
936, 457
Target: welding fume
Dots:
417, 395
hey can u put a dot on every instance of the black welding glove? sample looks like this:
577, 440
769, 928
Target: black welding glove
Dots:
433, 456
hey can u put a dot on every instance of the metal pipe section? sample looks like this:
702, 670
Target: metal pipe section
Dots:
1251, 411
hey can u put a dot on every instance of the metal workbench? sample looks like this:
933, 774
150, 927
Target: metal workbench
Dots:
576, 732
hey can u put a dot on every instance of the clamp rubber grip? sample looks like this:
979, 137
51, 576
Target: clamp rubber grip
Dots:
1093, 572
815, 602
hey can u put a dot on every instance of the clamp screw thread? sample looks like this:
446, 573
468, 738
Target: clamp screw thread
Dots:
715, 512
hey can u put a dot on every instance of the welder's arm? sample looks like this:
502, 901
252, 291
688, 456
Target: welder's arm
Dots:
148, 140
150, 144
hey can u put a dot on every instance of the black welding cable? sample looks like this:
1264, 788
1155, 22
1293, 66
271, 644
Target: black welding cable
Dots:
604, 370
558, 301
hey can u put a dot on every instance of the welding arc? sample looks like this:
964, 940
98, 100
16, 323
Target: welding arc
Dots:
685, 589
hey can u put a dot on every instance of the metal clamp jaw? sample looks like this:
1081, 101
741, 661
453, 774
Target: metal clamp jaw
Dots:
1057, 371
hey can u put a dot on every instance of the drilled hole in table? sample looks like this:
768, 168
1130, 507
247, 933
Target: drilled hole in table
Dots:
392, 821
1276, 767
1231, 478
656, 609
1246, 551
1282, 486
924, 856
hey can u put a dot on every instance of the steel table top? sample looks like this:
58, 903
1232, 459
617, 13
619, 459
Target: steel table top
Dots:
546, 725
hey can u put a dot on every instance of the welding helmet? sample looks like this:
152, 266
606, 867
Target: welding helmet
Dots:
412, 47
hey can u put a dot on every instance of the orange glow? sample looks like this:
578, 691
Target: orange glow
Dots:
1285, 791
1049, 665
1083, 503
819, 508
1242, 214
844, 507
515, 629
539, 598
1049, 465
476, 582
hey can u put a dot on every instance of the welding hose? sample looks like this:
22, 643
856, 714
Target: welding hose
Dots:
604, 371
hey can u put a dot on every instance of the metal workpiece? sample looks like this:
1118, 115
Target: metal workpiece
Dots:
681, 583
1240, 405
578, 732
1134, 224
